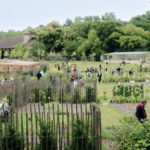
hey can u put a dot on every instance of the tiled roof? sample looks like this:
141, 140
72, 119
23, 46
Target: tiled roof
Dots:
10, 42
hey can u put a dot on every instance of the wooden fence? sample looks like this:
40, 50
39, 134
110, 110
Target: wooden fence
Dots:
52, 126
20, 92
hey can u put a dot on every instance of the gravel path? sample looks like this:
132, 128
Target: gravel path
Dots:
126, 108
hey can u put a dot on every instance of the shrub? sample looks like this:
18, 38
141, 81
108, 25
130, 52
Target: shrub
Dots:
42, 97
9, 98
76, 95
47, 137
90, 94
132, 135
12, 139
81, 137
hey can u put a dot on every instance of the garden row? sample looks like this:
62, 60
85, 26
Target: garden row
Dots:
128, 93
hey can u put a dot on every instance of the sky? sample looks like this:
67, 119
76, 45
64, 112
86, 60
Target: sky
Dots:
20, 14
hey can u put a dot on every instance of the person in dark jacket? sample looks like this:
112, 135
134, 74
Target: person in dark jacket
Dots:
140, 111
38, 75
99, 75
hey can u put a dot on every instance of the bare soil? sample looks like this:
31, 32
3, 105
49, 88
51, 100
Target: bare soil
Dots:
127, 108
110, 145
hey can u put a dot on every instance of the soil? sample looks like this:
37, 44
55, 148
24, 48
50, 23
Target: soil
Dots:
110, 145
126, 108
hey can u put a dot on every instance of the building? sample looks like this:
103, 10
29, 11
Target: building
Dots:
7, 44
145, 55
16, 65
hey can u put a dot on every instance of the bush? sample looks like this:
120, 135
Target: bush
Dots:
132, 135
9, 98
12, 139
76, 95
128, 93
81, 137
47, 137
90, 94
42, 97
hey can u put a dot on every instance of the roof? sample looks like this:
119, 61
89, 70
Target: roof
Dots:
128, 53
10, 42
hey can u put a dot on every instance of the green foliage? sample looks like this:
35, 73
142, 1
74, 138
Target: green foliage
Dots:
128, 93
10, 33
9, 99
35, 49
76, 95
12, 139
132, 135
81, 137
51, 36
47, 137
90, 94
18, 52
130, 37
42, 97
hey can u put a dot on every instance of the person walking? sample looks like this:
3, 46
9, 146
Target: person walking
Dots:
140, 111
99, 75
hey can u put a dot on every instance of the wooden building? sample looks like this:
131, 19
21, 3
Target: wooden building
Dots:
7, 44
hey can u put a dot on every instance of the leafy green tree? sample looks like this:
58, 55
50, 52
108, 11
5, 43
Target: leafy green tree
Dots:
18, 52
91, 45
104, 29
51, 36
68, 22
142, 21
35, 49
131, 37
109, 16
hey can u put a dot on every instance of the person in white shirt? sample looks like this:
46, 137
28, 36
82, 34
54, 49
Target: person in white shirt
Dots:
42, 73
75, 83
4, 107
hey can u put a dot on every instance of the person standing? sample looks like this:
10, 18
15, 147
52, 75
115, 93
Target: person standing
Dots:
99, 75
5, 108
140, 111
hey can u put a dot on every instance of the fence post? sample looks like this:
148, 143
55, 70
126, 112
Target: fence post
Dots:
0, 133
95, 90
98, 130
97, 127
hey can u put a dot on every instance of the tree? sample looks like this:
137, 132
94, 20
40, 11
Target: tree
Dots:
34, 48
142, 21
18, 52
68, 22
109, 16
104, 29
131, 37
91, 45
51, 36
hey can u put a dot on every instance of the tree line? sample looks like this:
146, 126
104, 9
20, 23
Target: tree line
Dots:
91, 36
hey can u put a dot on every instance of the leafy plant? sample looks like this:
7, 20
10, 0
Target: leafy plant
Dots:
47, 137
81, 137
132, 135
12, 139
42, 97
90, 94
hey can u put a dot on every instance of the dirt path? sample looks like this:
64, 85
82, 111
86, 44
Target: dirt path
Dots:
110, 145
126, 108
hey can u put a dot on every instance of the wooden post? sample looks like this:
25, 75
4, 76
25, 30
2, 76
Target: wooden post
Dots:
95, 91
97, 121
0, 133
